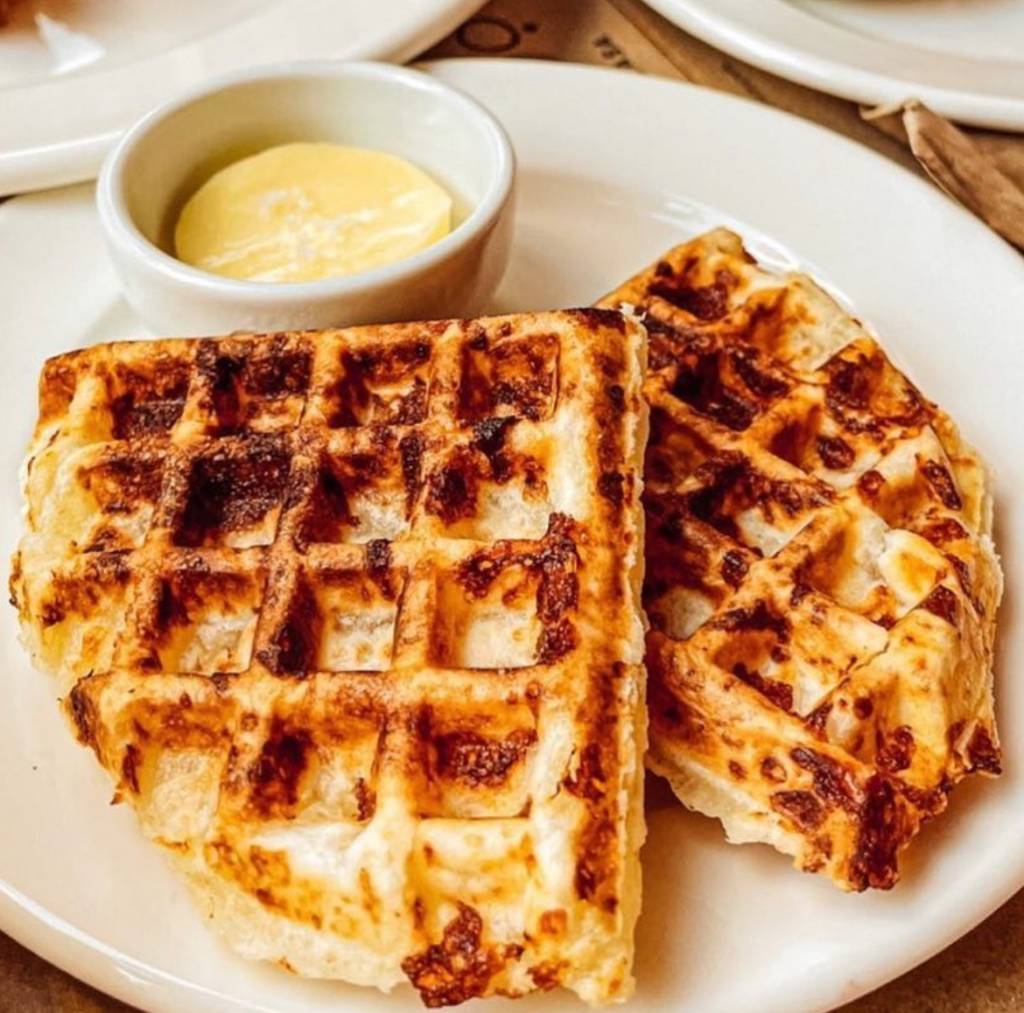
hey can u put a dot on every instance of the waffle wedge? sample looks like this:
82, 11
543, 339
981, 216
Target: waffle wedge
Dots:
353, 620
820, 580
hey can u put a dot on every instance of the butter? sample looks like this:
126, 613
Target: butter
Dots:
306, 211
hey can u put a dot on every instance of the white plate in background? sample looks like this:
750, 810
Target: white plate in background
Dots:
75, 73
964, 58
613, 169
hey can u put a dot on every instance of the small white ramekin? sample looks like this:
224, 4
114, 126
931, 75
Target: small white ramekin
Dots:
168, 154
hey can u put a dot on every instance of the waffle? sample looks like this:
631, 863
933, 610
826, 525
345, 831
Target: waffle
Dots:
820, 581
353, 620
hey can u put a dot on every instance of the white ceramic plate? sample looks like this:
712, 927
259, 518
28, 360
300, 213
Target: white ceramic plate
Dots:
614, 168
74, 73
964, 58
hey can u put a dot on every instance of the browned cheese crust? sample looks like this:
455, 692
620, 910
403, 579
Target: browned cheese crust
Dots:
353, 620
820, 583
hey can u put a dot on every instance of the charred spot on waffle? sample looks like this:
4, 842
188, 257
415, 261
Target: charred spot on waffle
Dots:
556, 640
148, 402
733, 568
130, 763
555, 556
594, 318
589, 780
552, 922
460, 966
345, 492
186, 590
559, 589
983, 753
276, 774
863, 708
818, 718
490, 437
757, 618
801, 807
835, 452
779, 693
179, 723
963, 575
833, 783
882, 820
243, 380
705, 302
81, 591
379, 569
474, 759
667, 340
292, 647
383, 384
410, 450
327, 513
896, 751
121, 484
594, 867
870, 483
942, 530
277, 367
222, 374
681, 555
942, 484
453, 487
883, 828
730, 385
83, 713
757, 374
547, 975
942, 602
232, 487
865, 393
667, 519
547, 570
378, 564
801, 440
615, 485
729, 484
511, 376
612, 485
366, 800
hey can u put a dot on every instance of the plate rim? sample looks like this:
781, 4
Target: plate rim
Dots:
26, 168
761, 36
132, 981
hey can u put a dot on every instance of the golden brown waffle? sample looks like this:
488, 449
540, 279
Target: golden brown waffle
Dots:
353, 620
820, 581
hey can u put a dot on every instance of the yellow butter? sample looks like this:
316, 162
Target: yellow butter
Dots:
306, 211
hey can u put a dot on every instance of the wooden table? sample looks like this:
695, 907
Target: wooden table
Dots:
984, 971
